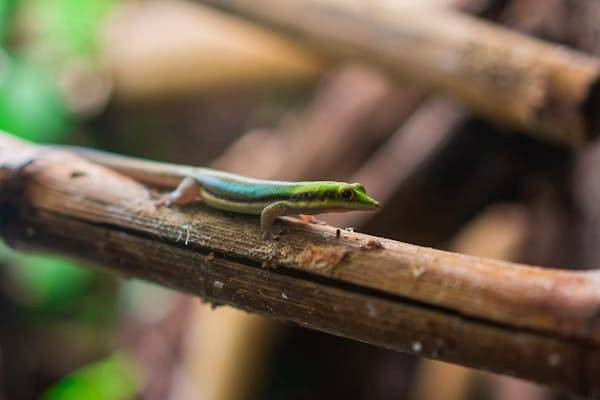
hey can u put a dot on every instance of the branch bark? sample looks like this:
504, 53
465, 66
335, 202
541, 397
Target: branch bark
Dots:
538, 324
542, 88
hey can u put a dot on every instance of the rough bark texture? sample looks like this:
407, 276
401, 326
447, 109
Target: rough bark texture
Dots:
539, 324
539, 87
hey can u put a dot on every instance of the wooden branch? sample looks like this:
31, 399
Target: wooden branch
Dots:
498, 232
538, 324
343, 121
542, 88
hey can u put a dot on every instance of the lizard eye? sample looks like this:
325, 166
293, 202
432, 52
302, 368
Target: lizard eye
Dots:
346, 194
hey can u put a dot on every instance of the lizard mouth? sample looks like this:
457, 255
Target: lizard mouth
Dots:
368, 203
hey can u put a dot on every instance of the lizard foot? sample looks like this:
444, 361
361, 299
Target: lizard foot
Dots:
164, 200
272, 233
311, 219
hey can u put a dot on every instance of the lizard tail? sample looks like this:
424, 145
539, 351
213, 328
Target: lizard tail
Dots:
153, 173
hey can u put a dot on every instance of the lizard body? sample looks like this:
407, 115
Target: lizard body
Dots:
231, 192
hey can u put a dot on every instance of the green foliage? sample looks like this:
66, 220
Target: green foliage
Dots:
44, 281
115, 378
47, 288
47, 292
72, 26
51, 281
31, 105
6, 9
31, 102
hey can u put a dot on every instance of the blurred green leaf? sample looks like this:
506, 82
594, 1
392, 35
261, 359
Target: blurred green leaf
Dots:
50, 280
74, 25
46, 281
30, 101
6, 9
63, 31
115, 378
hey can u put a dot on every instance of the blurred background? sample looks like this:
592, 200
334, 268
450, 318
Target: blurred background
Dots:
177, 81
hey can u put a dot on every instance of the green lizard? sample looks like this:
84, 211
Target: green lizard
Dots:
230, 192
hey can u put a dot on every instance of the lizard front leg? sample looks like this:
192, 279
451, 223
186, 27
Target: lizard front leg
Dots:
269, 214
187, 192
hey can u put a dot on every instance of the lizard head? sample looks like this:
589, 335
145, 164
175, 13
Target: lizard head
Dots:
355, 196
336, 196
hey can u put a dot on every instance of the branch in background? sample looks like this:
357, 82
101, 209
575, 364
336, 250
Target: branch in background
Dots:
349, 116
217, 51
439, 169
402, 172
539, 324
196, 48
223, 346
157, 349
587, 200
539, 87
417, 142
